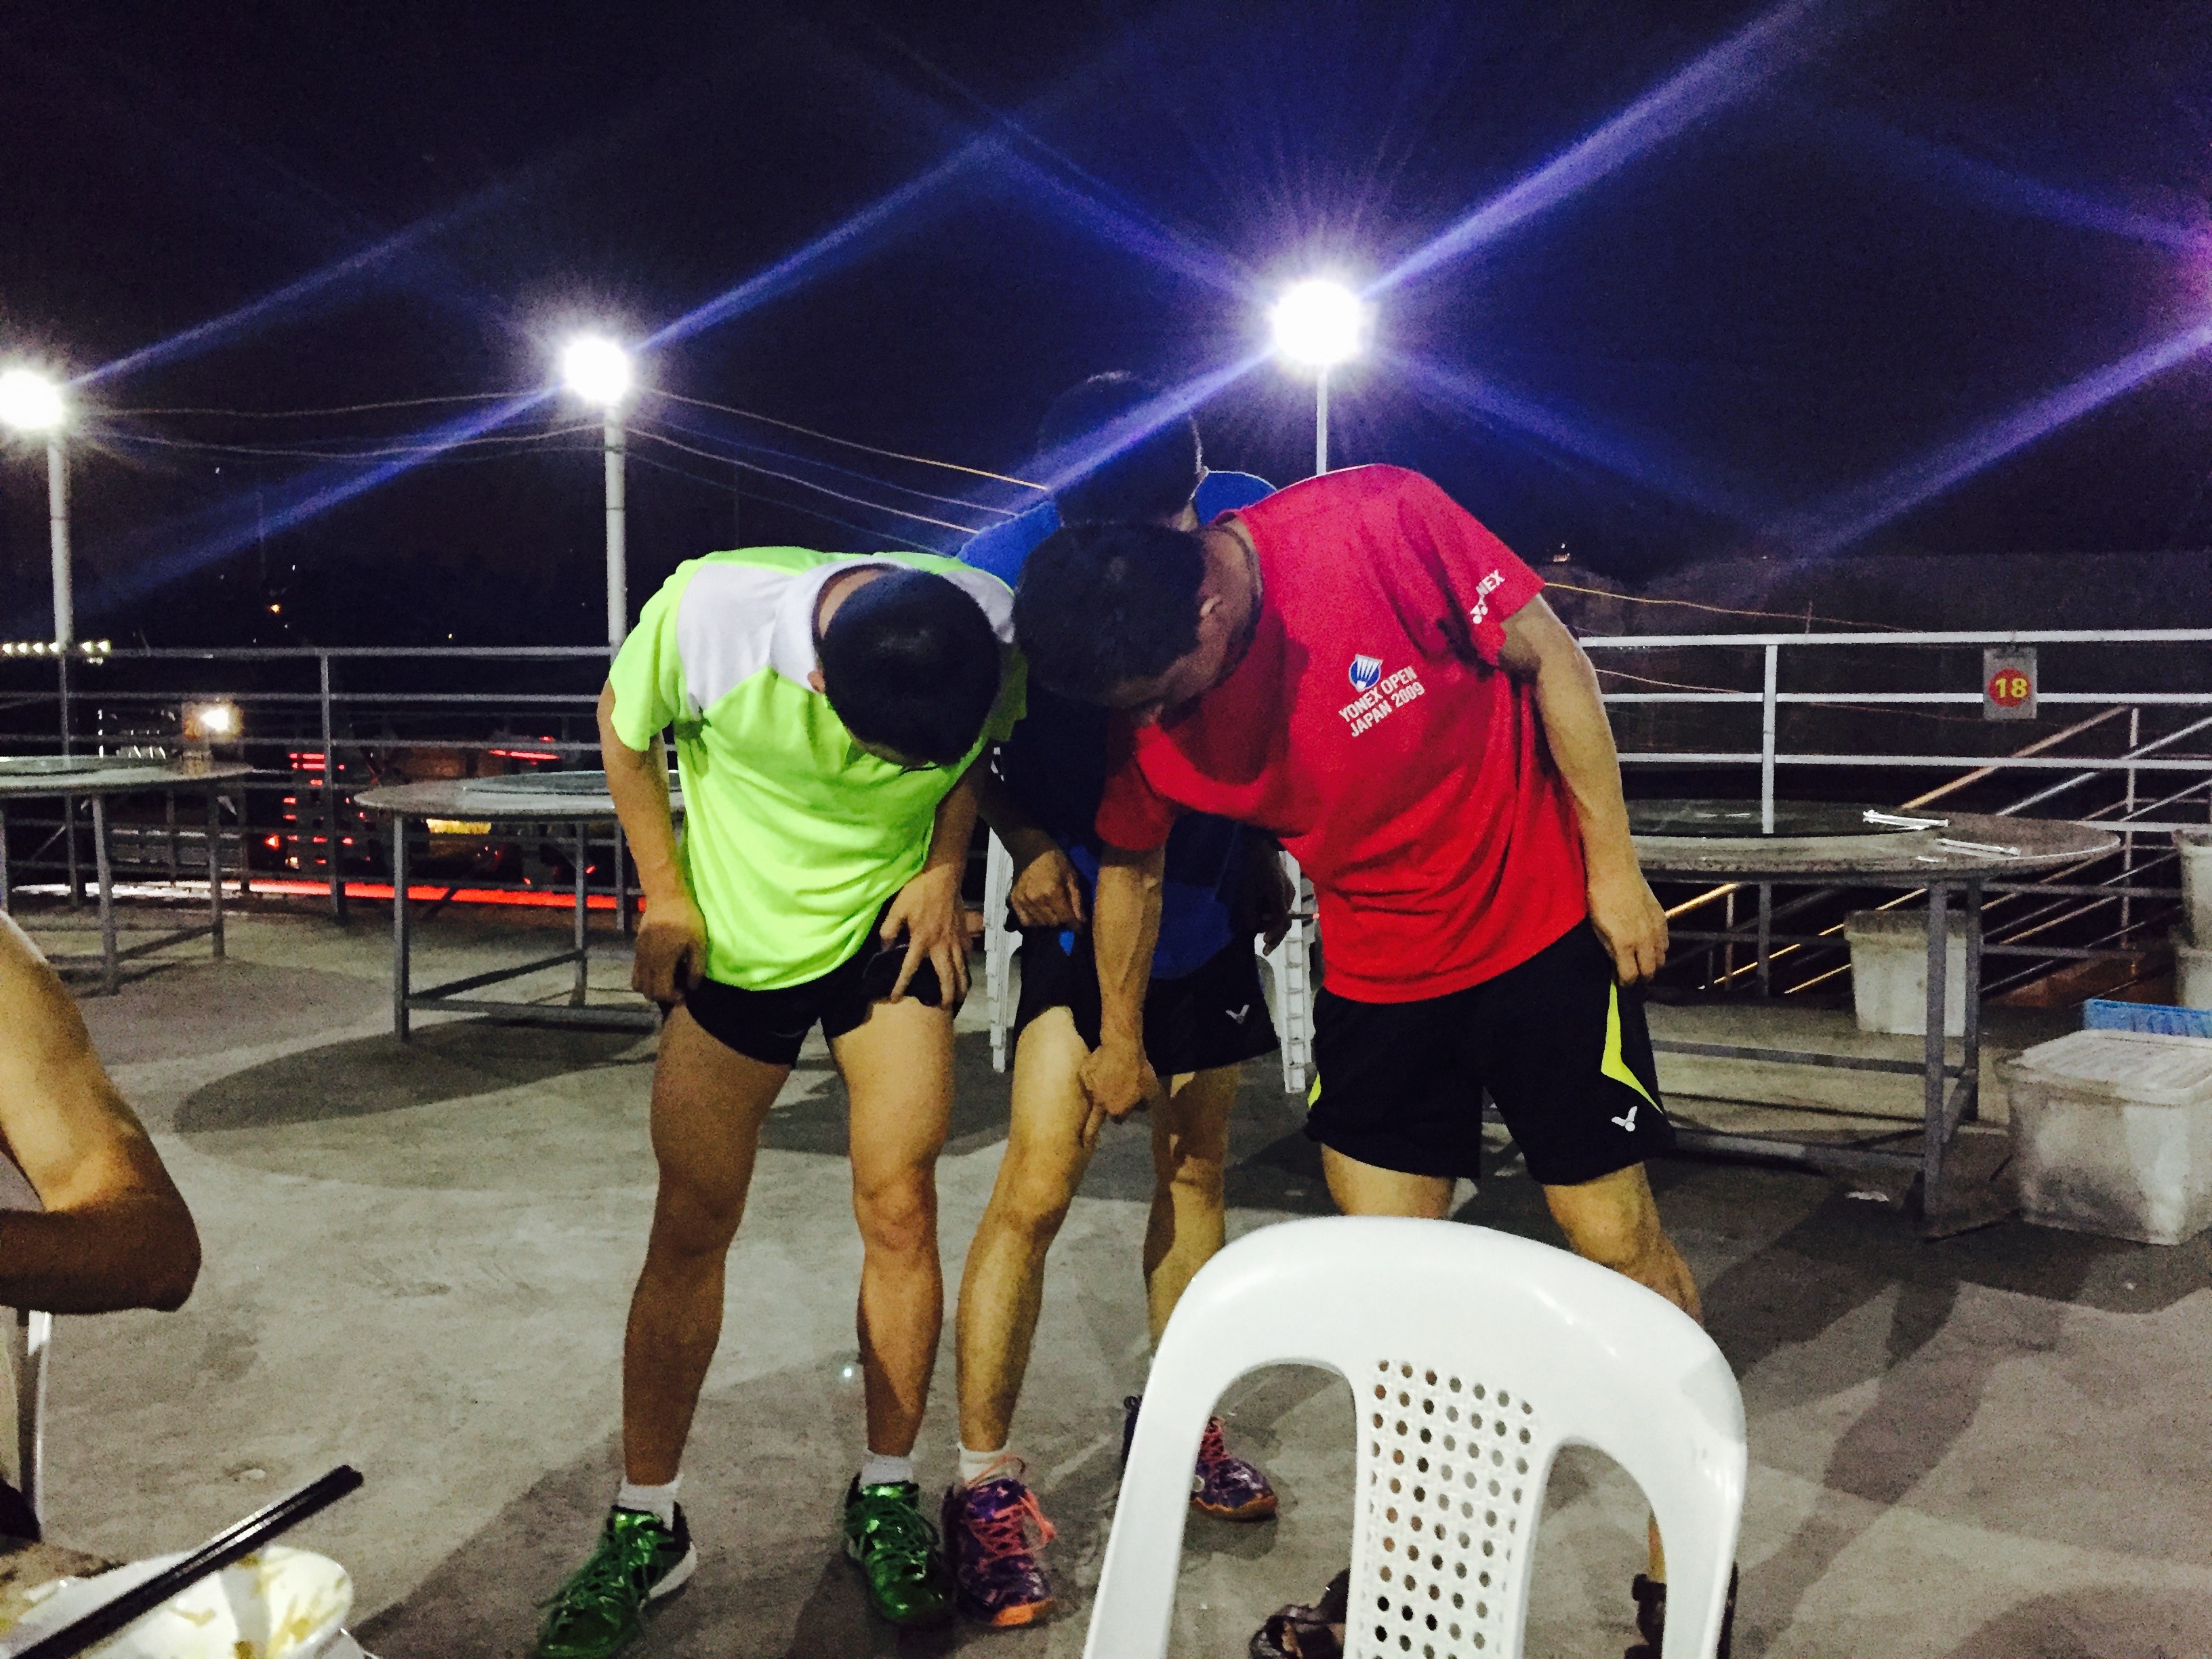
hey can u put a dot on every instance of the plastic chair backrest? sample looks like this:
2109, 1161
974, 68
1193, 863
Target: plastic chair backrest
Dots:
1473, 1357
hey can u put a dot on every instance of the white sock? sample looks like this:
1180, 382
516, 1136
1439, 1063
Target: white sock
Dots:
650, 1500
882, 1471
975, 1465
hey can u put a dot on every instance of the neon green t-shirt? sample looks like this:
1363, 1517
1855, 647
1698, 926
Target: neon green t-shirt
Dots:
794, 836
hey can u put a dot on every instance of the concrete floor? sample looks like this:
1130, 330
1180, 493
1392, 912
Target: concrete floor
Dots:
418, 1258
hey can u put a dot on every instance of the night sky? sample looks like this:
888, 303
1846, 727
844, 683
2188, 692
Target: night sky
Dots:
1874, 238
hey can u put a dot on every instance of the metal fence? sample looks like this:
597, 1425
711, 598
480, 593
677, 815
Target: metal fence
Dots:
1891, 719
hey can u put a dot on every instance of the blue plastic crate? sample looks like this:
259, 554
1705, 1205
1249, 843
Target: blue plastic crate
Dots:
2099, 1015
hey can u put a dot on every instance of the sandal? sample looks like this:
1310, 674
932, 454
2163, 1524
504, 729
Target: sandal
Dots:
1298, 1631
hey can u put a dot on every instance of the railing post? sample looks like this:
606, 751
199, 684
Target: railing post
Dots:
331, 844
1770, 682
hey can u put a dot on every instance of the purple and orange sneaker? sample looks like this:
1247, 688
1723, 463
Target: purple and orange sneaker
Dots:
1228, 1488
992, 1531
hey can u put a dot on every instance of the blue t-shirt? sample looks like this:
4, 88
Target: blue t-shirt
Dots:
1054, 764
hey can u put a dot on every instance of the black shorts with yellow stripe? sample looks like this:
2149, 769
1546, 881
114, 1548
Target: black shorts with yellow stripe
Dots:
1556, 1042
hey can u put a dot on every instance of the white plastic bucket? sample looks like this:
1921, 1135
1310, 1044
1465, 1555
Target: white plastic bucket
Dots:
2196, 846
2114, 1132
1889, 972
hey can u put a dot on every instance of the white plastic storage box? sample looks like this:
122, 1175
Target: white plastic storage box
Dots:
2114, 1132
1889, 971
2195, 846
2192, 973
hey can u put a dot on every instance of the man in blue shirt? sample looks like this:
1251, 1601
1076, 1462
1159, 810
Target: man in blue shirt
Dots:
1110, 460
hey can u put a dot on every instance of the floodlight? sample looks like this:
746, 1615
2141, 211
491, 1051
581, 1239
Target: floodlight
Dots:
30, 401
597, 369
207, 722
1319, 323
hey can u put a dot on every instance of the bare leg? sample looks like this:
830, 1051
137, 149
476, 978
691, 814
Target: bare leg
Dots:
897, 1068
1003, 1286
1190, 1146
1614, 1221
1368, 1189
708, 1102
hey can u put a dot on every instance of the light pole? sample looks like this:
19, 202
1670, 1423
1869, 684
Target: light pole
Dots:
598, 371
30, 402
1320, 324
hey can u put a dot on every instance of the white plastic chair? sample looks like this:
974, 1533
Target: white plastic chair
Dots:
30, 1334
1290, 961
999, 946
1473, 1357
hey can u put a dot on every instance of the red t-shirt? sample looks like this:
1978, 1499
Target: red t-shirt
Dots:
1370, 728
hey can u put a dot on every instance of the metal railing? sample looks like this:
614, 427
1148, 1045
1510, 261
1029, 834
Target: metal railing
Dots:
1780, 716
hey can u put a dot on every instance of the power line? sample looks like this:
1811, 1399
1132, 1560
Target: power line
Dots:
775, 501
343, 409
807, 460
804, 484
355, 455
848, 443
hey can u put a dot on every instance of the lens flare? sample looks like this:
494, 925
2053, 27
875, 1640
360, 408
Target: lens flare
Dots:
1319, 323
597, 370
30, 401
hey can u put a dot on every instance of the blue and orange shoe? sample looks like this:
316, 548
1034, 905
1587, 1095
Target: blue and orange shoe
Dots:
992, 1531
1225, 1487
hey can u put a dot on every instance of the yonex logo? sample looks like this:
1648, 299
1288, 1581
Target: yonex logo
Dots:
1364, 672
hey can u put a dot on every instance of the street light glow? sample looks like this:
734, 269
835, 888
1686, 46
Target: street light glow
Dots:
29, 401
597, 370
1319, 323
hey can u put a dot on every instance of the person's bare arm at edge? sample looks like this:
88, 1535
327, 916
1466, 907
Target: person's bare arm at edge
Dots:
1046, 892
1628, 920
927, 909
671, 936
1125, 927
114, 1233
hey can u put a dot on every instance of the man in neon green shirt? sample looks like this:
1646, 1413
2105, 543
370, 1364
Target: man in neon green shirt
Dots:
827, 710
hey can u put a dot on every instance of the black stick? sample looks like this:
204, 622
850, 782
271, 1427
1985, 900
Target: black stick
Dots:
231, 1545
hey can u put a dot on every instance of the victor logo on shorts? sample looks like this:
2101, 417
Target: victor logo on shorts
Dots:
1364, 672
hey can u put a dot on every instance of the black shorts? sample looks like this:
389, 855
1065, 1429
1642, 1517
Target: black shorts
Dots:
769, 1026
1556, 1043
1215, 1015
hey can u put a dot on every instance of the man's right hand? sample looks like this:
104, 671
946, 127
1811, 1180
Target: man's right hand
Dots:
671, 950
1047, 891
1119, 1080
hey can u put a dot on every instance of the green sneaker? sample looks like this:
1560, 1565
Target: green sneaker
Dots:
637, 1560
895, 1549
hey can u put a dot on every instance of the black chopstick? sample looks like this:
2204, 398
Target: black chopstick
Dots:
227, 1547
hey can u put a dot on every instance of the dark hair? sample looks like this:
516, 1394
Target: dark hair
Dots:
1101, 605
1112, 457
911, 664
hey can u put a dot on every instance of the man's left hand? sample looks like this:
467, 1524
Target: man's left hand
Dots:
1265, 900
927, 911
1628, 920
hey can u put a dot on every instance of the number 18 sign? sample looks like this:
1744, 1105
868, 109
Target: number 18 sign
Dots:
2009, 684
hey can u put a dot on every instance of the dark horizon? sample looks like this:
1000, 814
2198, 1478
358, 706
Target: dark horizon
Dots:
1853, 251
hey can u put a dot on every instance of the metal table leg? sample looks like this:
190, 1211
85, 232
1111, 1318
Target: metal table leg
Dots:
1933, 1078
106, 877
1970, 1080
579, 990
214, 868
399, 925
5, 883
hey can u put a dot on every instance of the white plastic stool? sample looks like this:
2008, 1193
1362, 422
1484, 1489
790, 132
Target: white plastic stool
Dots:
1473, 1357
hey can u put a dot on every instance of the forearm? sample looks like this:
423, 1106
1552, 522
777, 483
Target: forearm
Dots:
953, 830
1124, 930
136, 1250
637, 780
1581, 740
1024, 838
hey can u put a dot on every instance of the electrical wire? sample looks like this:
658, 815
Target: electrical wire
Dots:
805, 483
848, 443
720, 484
343, 409
1723, 610
806, 460
510, 439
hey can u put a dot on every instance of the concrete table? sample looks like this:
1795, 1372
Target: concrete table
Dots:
579, 800
95, 777
1942, 859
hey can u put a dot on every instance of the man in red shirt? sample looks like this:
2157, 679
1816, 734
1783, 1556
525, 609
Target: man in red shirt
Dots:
1357, 666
